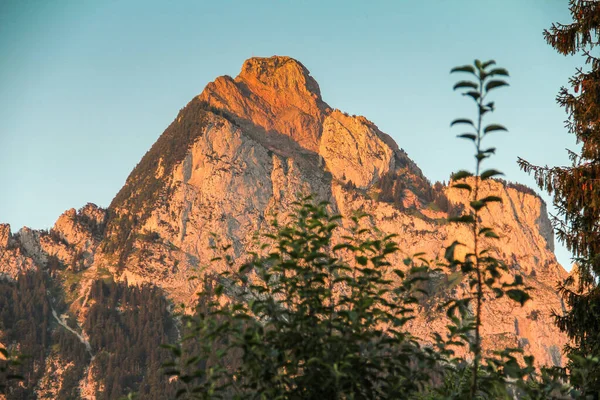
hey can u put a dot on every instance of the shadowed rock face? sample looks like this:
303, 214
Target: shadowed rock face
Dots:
243, 150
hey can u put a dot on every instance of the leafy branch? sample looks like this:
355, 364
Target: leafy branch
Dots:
480, 266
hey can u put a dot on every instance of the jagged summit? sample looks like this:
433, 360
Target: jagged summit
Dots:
276, 94
276, 104
281, 73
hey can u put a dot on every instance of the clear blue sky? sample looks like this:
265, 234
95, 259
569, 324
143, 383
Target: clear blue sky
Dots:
87, 86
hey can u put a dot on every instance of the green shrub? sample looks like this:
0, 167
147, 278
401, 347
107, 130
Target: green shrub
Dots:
308, 324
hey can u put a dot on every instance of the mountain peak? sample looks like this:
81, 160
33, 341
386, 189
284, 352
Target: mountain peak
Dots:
280, 72
275, 94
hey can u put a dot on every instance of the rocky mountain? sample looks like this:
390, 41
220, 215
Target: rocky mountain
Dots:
98, 289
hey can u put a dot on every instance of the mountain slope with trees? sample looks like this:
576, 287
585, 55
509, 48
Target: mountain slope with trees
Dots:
244, 150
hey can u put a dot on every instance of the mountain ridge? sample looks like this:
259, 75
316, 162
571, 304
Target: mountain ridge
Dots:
243, 151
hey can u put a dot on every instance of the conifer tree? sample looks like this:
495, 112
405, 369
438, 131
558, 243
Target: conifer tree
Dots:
576, 188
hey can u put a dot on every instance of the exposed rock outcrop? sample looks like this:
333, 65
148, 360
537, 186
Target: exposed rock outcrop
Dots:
354, 151
5, 235
244, 150
277, 94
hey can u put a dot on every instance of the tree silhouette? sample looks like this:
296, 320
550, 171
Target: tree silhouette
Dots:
576, 188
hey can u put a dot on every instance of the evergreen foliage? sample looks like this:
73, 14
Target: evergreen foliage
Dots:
126, 326
24, 319
519, 187
576, 189
392, 187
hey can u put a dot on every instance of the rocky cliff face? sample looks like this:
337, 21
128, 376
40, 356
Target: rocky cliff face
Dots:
243, 150
276, 94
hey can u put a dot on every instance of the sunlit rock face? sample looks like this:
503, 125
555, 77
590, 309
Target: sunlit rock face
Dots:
276, 94
5, 234
268, 135
244, 150
354, 150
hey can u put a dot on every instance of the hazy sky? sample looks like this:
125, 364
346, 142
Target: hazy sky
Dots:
87, 86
